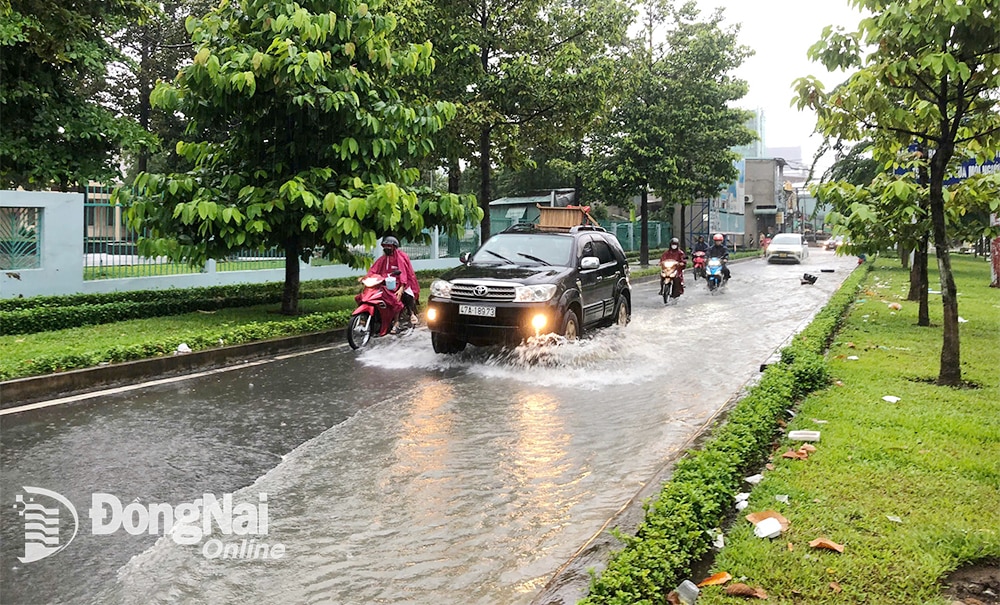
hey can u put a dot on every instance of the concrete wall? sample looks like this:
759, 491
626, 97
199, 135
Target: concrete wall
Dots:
61, 233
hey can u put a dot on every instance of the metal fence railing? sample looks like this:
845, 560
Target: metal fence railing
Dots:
19, 244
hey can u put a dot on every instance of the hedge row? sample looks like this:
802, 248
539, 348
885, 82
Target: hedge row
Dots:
70, 300
46, 313
701, 491
205, 339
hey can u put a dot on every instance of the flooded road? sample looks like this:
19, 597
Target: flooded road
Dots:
393, 475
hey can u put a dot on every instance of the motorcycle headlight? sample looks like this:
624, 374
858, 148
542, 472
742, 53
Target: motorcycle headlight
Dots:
539, 293
441, 288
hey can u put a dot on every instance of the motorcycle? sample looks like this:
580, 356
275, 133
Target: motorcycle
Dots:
714, 276
700, 259
377, 309
670, 275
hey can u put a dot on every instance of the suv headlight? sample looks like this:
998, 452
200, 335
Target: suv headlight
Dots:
441, 288
539, 293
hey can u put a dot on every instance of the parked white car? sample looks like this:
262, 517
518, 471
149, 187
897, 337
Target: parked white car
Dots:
787, 247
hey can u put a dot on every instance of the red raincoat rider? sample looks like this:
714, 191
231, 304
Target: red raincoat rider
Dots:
674, 252
394, 259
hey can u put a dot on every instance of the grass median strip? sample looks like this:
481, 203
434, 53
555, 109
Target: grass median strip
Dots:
72, 348
910, 487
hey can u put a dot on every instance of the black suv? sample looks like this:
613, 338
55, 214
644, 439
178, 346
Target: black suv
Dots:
527, 281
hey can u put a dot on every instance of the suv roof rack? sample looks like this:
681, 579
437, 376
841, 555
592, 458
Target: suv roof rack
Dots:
536, 228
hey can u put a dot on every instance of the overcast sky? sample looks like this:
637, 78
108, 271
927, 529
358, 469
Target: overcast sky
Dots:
781, 31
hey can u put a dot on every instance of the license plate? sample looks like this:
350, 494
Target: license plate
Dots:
784, 254
477, 310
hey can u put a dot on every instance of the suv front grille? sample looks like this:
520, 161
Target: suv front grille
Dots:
481, 292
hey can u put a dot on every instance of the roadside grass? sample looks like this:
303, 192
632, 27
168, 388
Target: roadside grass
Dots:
911, 489
19, 351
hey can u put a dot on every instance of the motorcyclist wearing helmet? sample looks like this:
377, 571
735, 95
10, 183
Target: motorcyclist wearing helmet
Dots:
674, 252
719, 250
394, 259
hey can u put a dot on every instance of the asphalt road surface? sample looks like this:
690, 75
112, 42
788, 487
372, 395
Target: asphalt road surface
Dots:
390, 475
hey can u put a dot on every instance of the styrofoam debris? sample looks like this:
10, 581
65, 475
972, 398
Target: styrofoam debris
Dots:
804, 435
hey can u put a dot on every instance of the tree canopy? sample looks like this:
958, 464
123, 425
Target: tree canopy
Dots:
925, 86
53, 62
671, 128
319, 147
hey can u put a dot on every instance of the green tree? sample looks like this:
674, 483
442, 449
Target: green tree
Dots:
525, 74
319, 149
53, 59
672, 128
152, 50
927, 74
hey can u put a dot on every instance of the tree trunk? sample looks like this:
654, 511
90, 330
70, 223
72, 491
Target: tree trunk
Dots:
995, 262
484, 181
145, 89
644, 227
454, 185
681, 237
994, 250
904, 258
290, 295
914, 292
950, 372
454, 176
923, 309
919, 281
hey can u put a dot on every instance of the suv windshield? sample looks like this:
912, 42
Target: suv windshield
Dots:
526, 249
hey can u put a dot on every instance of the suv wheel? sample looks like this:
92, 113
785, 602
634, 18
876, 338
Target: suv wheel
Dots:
622, 311
571, 326
445, 344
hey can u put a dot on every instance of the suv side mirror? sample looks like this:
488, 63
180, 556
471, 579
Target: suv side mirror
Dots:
464, 258
589, 262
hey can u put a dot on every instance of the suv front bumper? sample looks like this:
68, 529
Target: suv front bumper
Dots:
512, 323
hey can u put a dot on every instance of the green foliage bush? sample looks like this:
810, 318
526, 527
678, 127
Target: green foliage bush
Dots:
46, 313
699, 495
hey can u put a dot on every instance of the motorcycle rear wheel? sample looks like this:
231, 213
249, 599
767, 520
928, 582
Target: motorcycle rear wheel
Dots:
359, 331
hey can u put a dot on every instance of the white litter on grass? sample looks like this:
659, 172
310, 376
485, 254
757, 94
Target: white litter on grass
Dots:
804, 435
718, 538
820, 421
894, 518
182, 348
962, 320
890, 398
740, 497
754, 479
783, 498
742, 504
853, 357
768, 528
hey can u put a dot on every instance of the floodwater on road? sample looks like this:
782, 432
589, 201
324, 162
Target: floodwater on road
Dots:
390, 475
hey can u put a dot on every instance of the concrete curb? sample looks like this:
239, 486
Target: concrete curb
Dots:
22, 391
